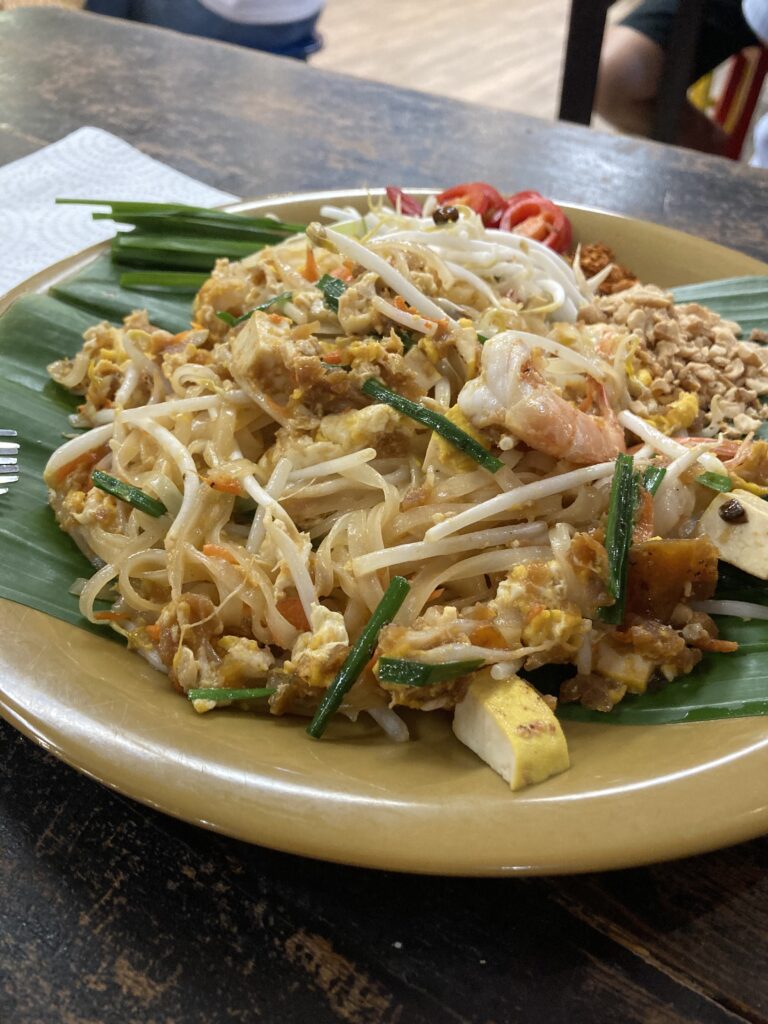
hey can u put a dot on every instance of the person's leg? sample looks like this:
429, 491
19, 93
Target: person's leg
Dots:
633, 59
630, 68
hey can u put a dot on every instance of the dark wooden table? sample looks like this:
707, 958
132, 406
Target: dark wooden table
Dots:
112, 913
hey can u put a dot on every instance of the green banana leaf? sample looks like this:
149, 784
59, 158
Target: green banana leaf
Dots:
40, 562
97, 291
744, 299
722, 686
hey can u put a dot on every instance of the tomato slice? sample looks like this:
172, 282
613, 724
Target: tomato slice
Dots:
529, 213
478, 196
408, 205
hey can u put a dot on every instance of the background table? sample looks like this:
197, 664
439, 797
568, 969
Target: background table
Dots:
111, 912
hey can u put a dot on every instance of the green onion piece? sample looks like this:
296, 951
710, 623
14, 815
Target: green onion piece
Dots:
170, 280
652, 477
419, 673
332, 288
715, 481
127, 492
278, 300
618, 536
406, 337
435, 421
346, 367
175, 212
172, 244
220, 693
482, 338
360, 653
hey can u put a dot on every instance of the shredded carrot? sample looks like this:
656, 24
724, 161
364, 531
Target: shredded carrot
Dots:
334, 358
436, 593
310, 271
153, 631
217, 551
111, 616
84, 461
227, 484
344, 272
292, 609
276, 318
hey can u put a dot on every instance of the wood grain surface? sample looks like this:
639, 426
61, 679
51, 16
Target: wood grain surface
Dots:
113, 913
253, 124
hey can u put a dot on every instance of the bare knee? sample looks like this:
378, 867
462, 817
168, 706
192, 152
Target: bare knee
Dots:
630, 68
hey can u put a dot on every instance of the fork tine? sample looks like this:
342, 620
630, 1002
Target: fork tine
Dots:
8, 460
8, 433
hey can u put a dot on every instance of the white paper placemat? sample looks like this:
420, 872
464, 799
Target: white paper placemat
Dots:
88, 164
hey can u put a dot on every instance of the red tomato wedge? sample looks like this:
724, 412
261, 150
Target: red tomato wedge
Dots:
529, 213
478, 196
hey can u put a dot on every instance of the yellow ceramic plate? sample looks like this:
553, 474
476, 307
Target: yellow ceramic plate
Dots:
633, 795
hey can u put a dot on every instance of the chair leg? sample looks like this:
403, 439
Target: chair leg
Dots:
757, 69
678, 71
582, 59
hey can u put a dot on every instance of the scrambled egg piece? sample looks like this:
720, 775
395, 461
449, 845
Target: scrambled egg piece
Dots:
448, 454
507, 724
678, 415
535, 596
318, 654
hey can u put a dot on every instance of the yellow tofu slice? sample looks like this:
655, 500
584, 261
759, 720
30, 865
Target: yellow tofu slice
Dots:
507, 724
627, 667
743, 544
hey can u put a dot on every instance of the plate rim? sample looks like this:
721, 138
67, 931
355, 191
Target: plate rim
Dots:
750, 824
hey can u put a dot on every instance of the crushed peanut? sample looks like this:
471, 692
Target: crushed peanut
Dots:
687, 349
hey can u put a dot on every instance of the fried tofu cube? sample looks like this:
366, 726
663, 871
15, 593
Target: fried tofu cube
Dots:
507, 724
740, 540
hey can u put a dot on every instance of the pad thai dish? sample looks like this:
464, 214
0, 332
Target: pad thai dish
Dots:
400, 460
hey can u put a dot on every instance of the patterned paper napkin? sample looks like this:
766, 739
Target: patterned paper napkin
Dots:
89, 163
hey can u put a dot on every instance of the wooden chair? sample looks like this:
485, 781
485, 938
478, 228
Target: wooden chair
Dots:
582, 60
736, 105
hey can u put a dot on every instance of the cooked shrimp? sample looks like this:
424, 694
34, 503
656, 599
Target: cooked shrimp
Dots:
512, 393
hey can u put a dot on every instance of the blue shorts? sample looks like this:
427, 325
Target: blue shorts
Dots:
291, 39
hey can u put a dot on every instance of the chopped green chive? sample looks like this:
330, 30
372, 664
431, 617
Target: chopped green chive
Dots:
127, 492
169, 280
336, 366
221, 693
715, 481
482, 338
419, 673
359, 654
278, 300
618, 536
406, 337
332, 288
652, 477
435, 421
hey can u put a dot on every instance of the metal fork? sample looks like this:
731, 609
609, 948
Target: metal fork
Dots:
9, 465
